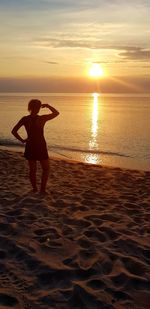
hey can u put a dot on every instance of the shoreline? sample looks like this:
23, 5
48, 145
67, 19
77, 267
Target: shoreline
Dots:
59, 156
85, 244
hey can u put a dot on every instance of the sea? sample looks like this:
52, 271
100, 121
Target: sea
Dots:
95, 128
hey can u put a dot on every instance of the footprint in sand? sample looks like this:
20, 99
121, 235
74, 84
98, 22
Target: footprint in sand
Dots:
2, 255
146, 253
95, 235
96, 284
135, 267
8, 301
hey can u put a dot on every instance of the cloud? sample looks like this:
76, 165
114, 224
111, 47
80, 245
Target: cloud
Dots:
51, 62
128, 52
68, 43
136, 53
42, 5
27, 59
75, 43
53, 4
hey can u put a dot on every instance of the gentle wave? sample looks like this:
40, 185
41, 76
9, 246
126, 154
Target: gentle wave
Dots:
13, 143
89, 151
9, 143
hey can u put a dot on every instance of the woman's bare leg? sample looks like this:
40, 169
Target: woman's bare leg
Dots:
32, 174
45, 173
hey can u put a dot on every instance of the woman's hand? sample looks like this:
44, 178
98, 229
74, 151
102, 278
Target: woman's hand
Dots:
54, 113
45, 105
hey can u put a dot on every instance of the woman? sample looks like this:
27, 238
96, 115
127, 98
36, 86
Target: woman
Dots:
36, 149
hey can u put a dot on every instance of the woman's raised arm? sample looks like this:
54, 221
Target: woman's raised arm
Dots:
52, 115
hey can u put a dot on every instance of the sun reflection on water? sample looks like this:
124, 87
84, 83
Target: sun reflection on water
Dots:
93, 145
94, 117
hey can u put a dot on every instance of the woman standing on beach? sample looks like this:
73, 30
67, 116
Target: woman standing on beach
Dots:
36, 149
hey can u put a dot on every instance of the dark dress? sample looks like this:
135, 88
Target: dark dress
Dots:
36, 148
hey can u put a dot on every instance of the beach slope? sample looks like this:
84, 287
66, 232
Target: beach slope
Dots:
83, 245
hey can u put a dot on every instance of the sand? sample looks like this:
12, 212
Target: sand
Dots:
83, 245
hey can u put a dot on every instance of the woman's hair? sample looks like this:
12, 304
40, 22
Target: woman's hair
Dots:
34, 105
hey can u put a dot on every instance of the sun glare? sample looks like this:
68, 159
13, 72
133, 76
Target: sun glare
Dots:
96, 71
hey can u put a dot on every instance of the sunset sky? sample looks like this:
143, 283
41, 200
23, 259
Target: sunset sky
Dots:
42, 39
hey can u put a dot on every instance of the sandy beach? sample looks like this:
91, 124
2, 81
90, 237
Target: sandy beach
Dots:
83, 245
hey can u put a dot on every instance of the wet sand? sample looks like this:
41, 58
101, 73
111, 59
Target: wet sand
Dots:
83, 245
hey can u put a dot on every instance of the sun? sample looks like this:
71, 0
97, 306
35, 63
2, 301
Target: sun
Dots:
96, 71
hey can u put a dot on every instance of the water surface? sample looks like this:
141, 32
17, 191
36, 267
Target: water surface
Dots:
99, 129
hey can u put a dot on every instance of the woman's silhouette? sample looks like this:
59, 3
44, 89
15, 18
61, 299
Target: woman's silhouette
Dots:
35, 148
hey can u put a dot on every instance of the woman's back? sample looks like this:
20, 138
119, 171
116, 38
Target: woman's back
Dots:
34, 126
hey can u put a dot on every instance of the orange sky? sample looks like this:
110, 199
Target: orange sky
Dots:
63, 38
